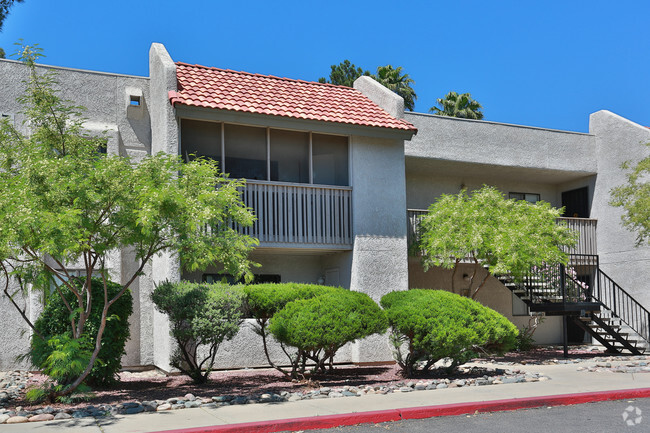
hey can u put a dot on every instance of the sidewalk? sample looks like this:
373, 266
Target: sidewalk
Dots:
565, 383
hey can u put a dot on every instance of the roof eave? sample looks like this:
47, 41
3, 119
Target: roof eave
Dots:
286, 122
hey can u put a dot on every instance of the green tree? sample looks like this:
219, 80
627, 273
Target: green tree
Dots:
65, 205
506, 236
344, 74
2, 53
455, 105
393, 79
634, 198
5, 5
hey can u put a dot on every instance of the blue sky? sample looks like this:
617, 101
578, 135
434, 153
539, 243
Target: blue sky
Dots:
547, 63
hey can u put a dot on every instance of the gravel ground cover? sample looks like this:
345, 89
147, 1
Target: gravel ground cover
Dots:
154, 390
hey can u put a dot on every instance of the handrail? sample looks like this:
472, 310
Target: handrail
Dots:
622, 304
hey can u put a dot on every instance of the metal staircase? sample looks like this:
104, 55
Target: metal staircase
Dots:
590, 299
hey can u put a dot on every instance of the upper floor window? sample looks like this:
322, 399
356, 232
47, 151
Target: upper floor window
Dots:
268, 154
530, 198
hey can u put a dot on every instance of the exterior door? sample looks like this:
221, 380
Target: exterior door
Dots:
576, 203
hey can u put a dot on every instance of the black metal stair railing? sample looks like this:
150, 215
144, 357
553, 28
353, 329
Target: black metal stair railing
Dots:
550, 284
621, 304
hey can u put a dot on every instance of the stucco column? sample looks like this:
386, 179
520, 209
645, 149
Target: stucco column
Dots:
156, 342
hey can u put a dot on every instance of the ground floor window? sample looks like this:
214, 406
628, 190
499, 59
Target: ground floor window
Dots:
230, 279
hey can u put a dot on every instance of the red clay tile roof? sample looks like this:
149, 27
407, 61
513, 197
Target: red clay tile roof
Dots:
224, 89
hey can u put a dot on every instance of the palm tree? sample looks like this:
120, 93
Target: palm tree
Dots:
455, 105
392, 79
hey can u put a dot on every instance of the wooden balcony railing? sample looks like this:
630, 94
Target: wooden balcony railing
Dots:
586, 228
301, 214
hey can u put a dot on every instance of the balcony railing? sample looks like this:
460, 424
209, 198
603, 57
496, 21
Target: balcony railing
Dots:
585, 227
306, 215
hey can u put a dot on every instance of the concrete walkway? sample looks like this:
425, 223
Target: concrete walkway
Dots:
564, 380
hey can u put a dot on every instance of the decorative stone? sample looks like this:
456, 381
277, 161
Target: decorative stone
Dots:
335, 395
164, 406
17, 420
4, 418
189, 397
222, 398
191, 404
80, 414
239, 400
42, 417
62, 415
133, 410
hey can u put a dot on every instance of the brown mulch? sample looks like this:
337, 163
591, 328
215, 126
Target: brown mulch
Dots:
154, 385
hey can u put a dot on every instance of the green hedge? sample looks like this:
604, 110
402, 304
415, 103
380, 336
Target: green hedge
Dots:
437, 324
54, 321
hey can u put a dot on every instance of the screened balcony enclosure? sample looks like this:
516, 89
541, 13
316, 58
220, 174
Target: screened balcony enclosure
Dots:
297, 182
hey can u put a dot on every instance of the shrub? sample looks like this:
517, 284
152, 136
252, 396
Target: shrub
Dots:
54, 323
319, 326
264, 300
202, 316
436, 325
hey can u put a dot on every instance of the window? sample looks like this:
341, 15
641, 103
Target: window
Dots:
257, 153
245, 152
257, 279
289, 156
530, 198
330, 159
57, 281
201, 139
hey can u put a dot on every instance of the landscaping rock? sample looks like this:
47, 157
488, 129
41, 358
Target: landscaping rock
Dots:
17, 420
132, 410
222, 398
62, 415
42, 417
164, 406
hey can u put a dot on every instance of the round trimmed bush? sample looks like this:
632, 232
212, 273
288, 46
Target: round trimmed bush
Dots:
436, 325
55, 321
321, 325
202, 316
264, 300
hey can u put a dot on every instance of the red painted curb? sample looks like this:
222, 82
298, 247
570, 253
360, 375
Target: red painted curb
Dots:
328, 421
